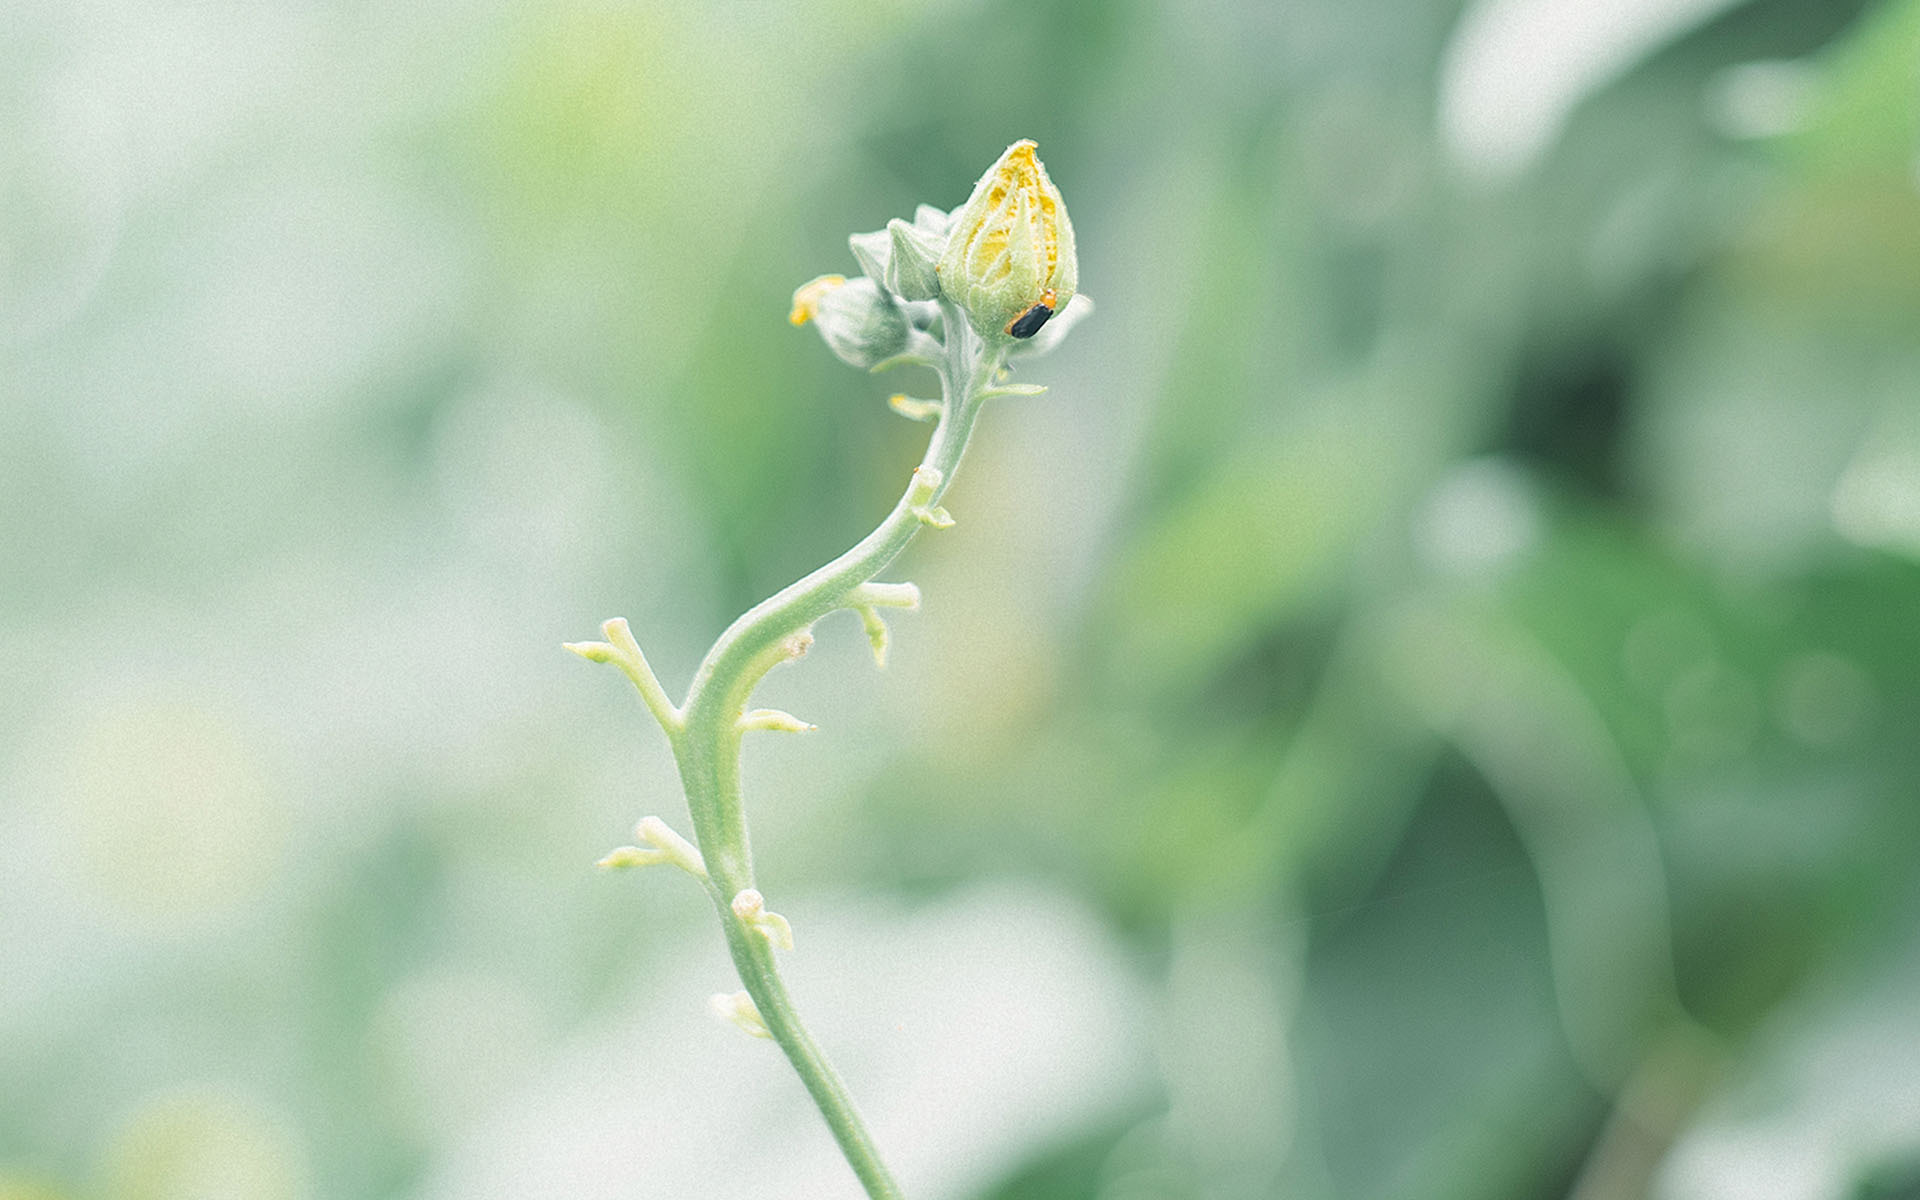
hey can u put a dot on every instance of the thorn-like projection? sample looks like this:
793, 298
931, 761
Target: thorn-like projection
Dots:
868, 599
738, 1009
885, 595
659, 844
876, 634
774, 720
924, 486
1014, 389
912, 409
623, 651
599, 652
751, 907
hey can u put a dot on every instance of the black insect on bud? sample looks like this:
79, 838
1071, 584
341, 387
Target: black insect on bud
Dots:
1029, 322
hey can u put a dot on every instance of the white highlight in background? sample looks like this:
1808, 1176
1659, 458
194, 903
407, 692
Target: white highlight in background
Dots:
1516, 69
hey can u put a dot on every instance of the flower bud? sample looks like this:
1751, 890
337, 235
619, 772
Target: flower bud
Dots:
902, 257
860, 323
913, 264
933, 220
1009, 260
872, 251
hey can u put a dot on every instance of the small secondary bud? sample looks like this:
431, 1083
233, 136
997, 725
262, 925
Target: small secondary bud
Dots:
862, 324
902, 258
935, 221
913, 261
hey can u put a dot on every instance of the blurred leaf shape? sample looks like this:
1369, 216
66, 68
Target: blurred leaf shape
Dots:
170, 812
1516, 69
205, 1143
1826, 1100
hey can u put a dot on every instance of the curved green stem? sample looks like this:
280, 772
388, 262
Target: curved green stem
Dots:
706, 736
753, 959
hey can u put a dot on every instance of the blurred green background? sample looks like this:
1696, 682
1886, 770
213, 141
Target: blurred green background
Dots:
1427, 706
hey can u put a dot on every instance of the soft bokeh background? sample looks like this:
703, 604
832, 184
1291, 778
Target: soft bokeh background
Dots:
1428, 706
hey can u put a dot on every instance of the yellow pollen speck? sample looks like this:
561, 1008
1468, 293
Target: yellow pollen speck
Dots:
807, 297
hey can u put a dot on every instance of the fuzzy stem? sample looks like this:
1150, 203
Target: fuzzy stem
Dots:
707, 746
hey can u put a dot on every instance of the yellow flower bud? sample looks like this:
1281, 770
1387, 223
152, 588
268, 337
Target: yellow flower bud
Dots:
1010, 260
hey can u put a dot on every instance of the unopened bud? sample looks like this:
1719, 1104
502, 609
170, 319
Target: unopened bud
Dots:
1010, 259
858, 321
912, 264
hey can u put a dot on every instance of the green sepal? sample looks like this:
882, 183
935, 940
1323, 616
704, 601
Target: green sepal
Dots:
871, 251
911, 271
